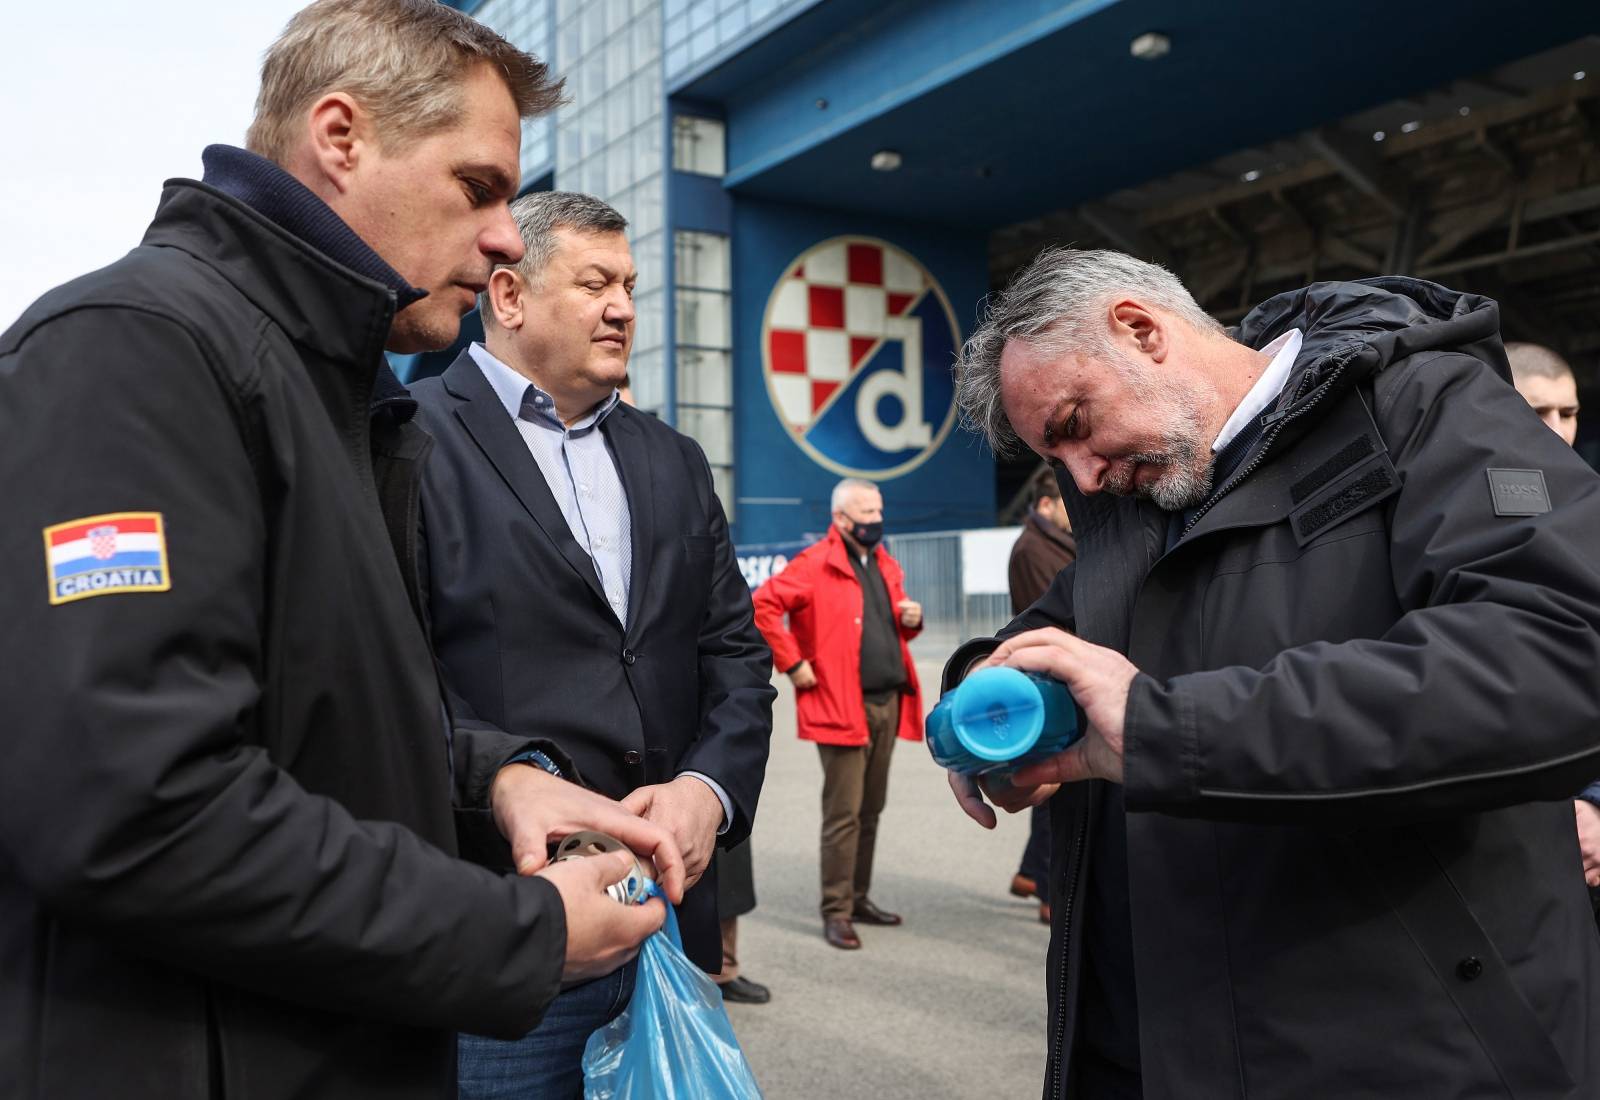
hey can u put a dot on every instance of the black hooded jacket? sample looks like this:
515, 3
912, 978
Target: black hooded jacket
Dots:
1367, 693
229, 813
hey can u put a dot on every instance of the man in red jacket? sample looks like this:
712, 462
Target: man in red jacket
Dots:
855, 684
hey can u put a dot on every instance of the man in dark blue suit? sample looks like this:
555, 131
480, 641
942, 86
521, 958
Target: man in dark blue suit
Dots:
581, 584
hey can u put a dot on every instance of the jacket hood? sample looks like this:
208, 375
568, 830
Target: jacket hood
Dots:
1379, 321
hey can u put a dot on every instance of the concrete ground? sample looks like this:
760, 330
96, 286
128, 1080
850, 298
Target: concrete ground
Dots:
951, 1004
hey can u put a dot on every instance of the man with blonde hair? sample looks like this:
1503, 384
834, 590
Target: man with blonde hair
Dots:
233, 800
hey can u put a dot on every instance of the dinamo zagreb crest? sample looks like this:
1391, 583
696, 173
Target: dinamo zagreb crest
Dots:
859, 347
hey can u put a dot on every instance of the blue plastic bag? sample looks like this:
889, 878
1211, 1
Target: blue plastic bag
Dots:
674, 1040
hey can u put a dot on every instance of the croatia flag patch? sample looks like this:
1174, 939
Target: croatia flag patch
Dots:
99, 555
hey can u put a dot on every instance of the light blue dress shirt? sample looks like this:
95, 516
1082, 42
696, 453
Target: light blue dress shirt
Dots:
584, 479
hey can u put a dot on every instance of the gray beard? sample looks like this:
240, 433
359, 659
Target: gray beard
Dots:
1184, 481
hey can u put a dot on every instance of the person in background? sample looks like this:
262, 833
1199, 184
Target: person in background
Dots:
1546, 382
1044, 548
845, 650
582, 587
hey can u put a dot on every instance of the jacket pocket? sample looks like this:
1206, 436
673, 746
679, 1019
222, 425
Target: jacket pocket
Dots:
1465, 962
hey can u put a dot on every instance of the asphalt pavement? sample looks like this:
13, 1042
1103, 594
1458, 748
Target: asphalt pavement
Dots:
950, 1004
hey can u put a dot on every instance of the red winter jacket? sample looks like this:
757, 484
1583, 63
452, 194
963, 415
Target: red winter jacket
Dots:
819, 592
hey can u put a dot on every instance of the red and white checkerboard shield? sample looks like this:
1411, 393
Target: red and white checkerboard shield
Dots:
103, 542
829, 313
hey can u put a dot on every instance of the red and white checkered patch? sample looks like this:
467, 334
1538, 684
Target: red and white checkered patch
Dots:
828, 315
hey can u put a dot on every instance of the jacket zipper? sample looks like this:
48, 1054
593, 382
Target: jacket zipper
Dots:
1277, 421
1075, 867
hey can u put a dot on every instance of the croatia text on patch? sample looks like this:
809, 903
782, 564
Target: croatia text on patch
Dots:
99, 555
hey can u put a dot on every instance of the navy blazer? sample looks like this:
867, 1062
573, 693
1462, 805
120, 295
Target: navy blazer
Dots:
527, 641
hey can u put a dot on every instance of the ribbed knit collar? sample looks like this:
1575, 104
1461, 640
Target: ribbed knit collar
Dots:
276, 195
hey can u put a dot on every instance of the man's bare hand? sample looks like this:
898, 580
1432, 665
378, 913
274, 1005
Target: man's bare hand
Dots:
910, 614
1589, 839
688, 809
802, 677
1002, 791
602, 933
1099, 679
534, 809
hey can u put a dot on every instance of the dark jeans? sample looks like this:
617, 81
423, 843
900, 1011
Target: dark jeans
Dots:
546, 1063
1036, 856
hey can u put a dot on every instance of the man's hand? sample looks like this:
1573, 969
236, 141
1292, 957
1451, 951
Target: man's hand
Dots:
802, 677
533, 809
970, 791
688, 809
1098, 679
602, 933
1589, 839
910, 614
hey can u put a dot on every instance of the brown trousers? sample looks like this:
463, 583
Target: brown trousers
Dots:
855, 783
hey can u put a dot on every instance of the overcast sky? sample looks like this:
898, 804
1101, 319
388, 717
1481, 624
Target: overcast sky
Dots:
99, 102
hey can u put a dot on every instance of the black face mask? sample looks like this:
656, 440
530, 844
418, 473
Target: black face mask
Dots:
867, 534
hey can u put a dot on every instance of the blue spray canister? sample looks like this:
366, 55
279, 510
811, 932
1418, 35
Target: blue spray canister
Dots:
998, 719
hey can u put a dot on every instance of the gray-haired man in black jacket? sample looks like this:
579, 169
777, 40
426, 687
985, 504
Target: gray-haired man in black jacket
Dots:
1337, 618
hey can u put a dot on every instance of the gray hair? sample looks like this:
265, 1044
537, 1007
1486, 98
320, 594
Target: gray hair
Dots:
1057, 304
1536, 361
842, 491
538, 215
404, 61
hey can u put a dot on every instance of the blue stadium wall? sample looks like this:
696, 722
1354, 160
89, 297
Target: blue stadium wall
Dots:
782, 488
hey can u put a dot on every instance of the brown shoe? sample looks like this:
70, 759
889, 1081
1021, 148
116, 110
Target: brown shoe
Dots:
840, 933
867, 913
1023, 887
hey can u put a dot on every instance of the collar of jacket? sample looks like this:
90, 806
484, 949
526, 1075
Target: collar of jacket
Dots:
1055, 534
320, 304
838, 554
1352, 331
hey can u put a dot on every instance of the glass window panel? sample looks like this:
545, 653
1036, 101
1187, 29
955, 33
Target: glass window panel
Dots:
647, 259
645, 89
731, 25
646, 42
722, 482
619, 172
618, 58
649, 380
674, 7
729, 5
705, 377
617, 12
649, 209
677, 29
703, 260
712, 429
701, 15
566, 9
704, 318
593, 22
592, 79
677, 58
698, 145
647, 323
619, 114
703, 43
569, 43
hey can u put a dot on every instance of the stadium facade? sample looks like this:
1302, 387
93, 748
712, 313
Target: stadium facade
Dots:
821, 192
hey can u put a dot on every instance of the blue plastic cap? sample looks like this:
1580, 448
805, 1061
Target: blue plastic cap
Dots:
997, 714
